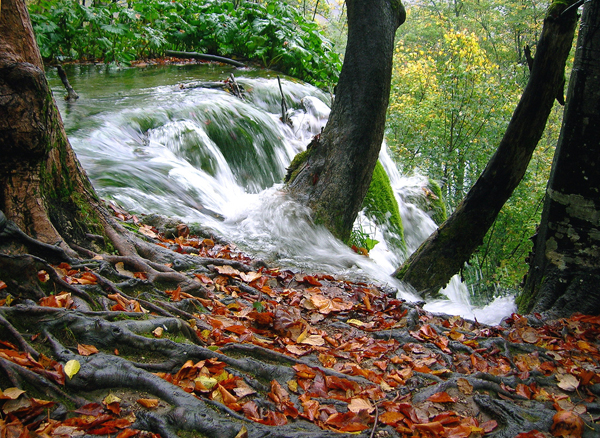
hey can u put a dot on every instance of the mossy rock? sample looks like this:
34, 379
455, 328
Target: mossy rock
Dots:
381, 207
431, 202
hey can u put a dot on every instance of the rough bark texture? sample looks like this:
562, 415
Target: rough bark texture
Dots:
42, 187
335, 176
446, 251
565, 268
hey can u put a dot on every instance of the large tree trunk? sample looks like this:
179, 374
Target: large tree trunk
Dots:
336, 173
42, 187
446, 251
564, 271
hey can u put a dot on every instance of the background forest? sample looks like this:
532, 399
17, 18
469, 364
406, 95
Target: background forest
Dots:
459, 69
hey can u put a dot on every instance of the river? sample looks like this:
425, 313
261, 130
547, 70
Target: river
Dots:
155, 141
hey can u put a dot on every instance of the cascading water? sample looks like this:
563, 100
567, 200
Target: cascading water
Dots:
155, 142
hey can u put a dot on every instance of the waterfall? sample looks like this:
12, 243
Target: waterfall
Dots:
159, 144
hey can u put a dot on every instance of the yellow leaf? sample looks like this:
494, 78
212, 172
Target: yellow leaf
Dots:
355, 322
71, 368
111, 398
208, 382
243, 433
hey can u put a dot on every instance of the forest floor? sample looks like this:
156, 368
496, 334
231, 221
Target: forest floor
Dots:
94, 348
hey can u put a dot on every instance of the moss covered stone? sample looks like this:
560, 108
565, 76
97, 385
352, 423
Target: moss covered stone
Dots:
381, 207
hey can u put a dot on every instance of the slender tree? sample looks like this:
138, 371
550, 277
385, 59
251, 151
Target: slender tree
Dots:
565, 266
335, 173
446, 251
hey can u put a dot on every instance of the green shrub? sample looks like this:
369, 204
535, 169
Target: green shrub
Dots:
272, 33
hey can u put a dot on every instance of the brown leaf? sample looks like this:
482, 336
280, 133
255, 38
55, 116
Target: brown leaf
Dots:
464, 386
358, 404
86, 350
148, 403
441, 397
567, 424
530, 335
567, 382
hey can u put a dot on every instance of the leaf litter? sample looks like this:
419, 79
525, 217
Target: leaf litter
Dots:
362, 359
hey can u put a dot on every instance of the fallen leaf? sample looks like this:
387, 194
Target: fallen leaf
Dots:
149, 403
86, 350
12, 393
464, 386
567, 424
358, 404
158, 332
441, 397
530, 335
71, 368
111, 398
567, 382
314, 340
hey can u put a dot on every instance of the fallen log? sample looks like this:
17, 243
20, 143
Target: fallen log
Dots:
196, 55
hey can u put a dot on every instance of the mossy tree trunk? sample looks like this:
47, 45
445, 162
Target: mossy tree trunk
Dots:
334, 178
564, 271
43, 189
446, 251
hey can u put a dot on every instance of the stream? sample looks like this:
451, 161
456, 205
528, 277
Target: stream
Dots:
154, 141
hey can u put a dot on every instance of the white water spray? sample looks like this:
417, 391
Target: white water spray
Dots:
160, 149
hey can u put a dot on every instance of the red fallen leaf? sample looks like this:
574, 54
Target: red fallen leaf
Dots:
237, 329
391, 418
114, 407
311, 409
304, 371
441, 397
488, 426
312, 280
434, 427
174, 294
567, 424
203, 278
91, 409
531, 434
128, 433
2, 285
334, 382
273, 419
461, 431
250, 410
347, 422
524, 391
43, 276
278, 394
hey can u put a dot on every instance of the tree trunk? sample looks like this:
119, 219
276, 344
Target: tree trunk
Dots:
337, 170
446, 251
565, 268
43, 189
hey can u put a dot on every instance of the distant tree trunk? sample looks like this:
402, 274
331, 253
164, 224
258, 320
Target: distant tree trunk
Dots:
42, 187
338, 166
446, 251
564, 273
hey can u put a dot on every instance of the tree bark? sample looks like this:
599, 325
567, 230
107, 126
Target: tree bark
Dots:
446, 251
337, 170
43, 189
565, 268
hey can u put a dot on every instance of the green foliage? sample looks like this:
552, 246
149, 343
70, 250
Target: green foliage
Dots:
458, 74
271, 33
381, 207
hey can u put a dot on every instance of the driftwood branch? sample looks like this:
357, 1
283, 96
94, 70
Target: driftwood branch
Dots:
196, 55
71, 94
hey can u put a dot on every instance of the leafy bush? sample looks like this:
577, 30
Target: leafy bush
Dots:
272, 33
